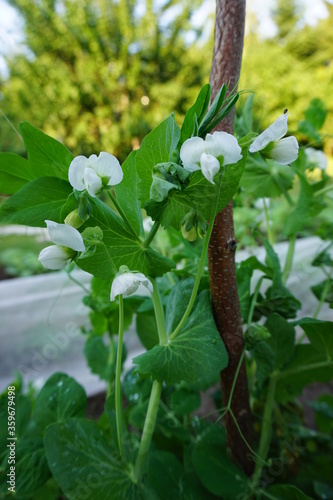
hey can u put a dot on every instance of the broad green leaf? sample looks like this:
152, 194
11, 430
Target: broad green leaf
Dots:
308, 206
282, 340
287, 492
81, 459
31, 468
267, 179
198, 110
307, 366
177, 303
165, 475
120, 247
156, 147
14, 173
199, 194
216, 471
184, 401
127, 195
324, 289
264, 357
37, 201
22, 417
60, 398
320, 334
197, 351
146, 329
97, 355
47, 156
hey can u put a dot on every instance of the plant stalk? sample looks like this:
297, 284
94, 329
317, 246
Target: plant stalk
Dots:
289, 260
118, 396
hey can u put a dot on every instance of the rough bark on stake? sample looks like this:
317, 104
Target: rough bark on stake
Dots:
228, 47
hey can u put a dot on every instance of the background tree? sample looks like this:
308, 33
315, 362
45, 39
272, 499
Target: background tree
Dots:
99, 75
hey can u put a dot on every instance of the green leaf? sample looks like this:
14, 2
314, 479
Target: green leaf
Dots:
264, 357
307, 366
324, 289
31, 468
121, 247
316, 113
39, 200
164, 474
146, 329
184, 402
197, 111
97, 355
282, 341
81, 460
320, 334
127, 193
60, 398
47, 156
287, 492
22, 417
213, 109
199, 194
156, 147
214, 468
308, 206
197, 351
267, 179
15, 172
177, 303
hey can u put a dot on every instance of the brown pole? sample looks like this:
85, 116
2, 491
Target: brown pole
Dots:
227, 57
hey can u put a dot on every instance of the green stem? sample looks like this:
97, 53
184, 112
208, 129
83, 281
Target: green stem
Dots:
201, 265
159, 313
123, 216
77, 282
110, 362
304, 368
118, 397
254, 299
290, 256
151, 234
235, 379
324, 190
269, 230
323, 296
148, 430
265, 438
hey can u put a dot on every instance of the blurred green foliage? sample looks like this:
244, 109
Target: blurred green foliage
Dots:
98, 75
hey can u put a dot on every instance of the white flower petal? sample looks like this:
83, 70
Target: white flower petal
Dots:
273, 133
316, 157
76, 172
65, 235
190, 153
285, 151
107, 165
92, 181
223, 144
209, 166
126, 284
54, 257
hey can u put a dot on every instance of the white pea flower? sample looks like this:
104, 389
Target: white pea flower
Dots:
208, 155
67, 241
271, 144
94, 173
126, 283
147, 224
316, 157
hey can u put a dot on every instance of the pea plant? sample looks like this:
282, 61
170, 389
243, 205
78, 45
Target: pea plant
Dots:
148, 444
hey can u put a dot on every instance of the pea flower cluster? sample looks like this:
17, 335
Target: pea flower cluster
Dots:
218, 149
